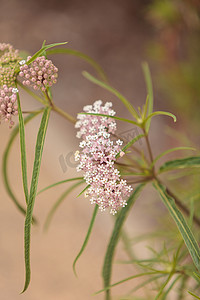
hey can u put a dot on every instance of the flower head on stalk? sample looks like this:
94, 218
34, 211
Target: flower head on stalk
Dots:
8, 107
40, 74
98, 156
8, 54
9, 58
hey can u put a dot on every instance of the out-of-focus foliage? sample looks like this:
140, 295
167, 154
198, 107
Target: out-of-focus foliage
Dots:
175, 51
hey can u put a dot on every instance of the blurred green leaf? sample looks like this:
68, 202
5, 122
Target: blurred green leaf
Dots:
113, 91
195, 296
148, 80
165, 294
86, 238
185, 231
107, 288
188, 162
81, 55
33, 190
120, 219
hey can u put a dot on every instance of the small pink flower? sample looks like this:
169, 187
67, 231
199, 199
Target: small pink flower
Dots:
8, 107
41, 73
98, 156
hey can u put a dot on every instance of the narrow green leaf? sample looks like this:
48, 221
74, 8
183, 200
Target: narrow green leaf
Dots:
85, 189
112, 117
86, 238
58, 202
139, 286
169, 151
81, 55
148, 80
188, 162
157, 113
58, 183
107, 288
5, 164
164, 285
113, 91
40, 52
23, 150
195, 296
130, 144
33, 190
120, 219
184, 229
170, 287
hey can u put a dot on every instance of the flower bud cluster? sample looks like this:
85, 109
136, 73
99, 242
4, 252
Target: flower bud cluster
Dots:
8, 53
40, 74
8, 106
98, 156
9, 58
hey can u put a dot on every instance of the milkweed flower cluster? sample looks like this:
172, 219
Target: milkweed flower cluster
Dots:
8, 53
8, 107
9, 58
98, 156
40, 74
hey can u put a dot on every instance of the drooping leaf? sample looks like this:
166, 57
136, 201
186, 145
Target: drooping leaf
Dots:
121, 217
81, 55
188, 162
127, 104
23, 150
58, 183
86, 238
149, 86
183, 227
169, 151
157, 113
33, 190
58, 202
5, 164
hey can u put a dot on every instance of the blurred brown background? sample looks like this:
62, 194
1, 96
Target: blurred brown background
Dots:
119, 35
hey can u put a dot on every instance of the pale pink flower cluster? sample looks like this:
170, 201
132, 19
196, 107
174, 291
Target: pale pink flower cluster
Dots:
40, 74
98, 156
8, 107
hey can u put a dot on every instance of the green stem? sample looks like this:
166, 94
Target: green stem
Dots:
63, 114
